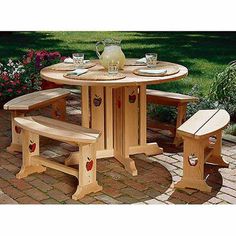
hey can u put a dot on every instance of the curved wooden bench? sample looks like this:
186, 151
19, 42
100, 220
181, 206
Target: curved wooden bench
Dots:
21, 105
170, 99
202, 135
35, 126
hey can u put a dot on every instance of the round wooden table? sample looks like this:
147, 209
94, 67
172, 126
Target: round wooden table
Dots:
118, 109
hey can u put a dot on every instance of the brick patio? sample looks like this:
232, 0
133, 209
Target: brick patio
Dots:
153, 185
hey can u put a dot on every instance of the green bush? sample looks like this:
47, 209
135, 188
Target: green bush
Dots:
222, 95
205, 102
162, 113
231, 129
223, 90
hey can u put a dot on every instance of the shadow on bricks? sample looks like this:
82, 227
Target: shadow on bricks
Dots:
152, 180
213, 178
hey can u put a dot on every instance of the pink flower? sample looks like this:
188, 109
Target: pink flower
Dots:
10, 90
5, 76
27, 60
30, 54
19, 91
54, 55
16, 75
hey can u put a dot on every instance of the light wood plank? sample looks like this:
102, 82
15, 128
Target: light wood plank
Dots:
37, 160
130, 80
57, 129
142, 115
121, 136
109, 118
217, 122
157, 96
85, 106
87, 172
36, 99
118, 122
193, 124
98, 113
59, 109
131, 115
30, 148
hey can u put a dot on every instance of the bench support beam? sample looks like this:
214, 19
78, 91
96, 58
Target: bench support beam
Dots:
30, 148
16, 144
86, 159
202, 151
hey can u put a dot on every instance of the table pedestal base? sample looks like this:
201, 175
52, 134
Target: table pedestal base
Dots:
120, 115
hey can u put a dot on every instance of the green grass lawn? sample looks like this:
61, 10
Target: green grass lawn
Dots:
204, 54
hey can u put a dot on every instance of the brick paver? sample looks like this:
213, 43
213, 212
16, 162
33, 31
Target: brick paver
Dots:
153, 185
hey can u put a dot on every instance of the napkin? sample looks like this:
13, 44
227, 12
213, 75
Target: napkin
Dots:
146, 71
77, 72
142, 60
68, 60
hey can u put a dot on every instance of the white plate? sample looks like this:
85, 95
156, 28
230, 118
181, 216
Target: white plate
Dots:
154, 72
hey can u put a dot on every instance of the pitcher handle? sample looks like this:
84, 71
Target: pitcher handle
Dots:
97, 51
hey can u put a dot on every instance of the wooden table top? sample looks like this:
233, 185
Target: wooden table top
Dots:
130, 80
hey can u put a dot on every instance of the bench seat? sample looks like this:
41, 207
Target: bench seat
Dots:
202, 135
170, 99
35, 126
36, 100
20, 106
58, 130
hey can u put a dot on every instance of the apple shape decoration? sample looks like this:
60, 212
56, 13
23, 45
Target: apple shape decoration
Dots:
89, 164
132, 97
32, 146
119, 103
17, 129
97, 101
57, 114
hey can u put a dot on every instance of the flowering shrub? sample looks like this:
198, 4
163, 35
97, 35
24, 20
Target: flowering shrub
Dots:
17, 78
34, 61
12, 80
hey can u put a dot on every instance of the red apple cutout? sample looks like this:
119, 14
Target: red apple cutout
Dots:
17, 129
119, 104
57, 114
89, 164
132, 97
97, 101
32, 146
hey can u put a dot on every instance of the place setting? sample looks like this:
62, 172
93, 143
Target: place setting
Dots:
109, 72
154, 68
70, 64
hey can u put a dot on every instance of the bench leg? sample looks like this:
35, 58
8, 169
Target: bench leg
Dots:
16, 132
181, 117
30, 147
59, 109
87, 172
216, 157
193, 166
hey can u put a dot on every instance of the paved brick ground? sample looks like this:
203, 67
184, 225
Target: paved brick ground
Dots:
153, 185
